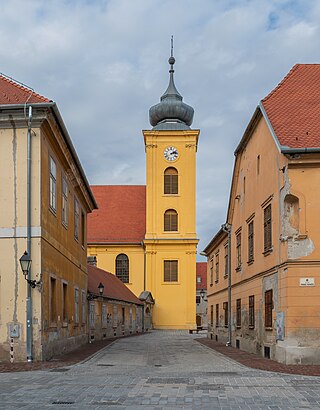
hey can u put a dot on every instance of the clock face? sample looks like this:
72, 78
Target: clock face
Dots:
171, 153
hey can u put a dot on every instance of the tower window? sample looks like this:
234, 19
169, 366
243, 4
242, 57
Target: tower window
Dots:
171, 181
170, 220
122, 267
171, 271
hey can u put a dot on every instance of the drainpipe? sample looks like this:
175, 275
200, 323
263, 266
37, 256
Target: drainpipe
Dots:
29, 299
144, 266
227, 228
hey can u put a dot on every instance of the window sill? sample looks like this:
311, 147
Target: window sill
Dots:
267, 251
226, 326
211, 284
170, 283
238, 327
250, 262
53, 325
225, 276
177, 195
251, 327
238, 268
216, 281
65, 323
268, 329
64, 225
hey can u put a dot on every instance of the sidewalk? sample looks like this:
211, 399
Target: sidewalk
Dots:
76, 356
256, 362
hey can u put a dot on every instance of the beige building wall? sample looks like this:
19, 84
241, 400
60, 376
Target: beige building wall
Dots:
54, 251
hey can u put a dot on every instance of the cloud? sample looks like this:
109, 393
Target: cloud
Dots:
105, 64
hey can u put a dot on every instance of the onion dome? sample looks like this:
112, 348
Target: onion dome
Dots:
171, 112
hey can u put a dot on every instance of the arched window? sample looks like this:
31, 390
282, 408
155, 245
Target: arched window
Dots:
170, 220
122, 267
171, 181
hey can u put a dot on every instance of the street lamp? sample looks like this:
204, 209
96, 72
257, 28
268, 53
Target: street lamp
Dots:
202, 293
101, 288
25, 263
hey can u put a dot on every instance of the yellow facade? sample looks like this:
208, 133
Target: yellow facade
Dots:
174, 301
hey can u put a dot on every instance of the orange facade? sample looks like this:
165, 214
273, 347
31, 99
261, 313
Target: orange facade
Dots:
275, 260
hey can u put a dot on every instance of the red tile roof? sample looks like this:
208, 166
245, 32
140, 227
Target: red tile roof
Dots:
121, 216
12, 92
293, 107
202, 272
113, 287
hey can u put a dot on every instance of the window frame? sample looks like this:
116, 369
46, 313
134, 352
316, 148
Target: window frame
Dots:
171, 181
217, 314
267, 229
251, 241
170, 220
238, 316
251, 312
76, 216
76, 305
226, 314
122, 265
170, 271
217, 268
64, 201
238, 251
52, 184
268, 308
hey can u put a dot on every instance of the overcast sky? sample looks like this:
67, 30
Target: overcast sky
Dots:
105, 63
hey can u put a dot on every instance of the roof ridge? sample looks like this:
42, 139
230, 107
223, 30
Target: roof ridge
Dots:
293, 69
23, 87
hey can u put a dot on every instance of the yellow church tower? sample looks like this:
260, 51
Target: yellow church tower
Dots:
171, 240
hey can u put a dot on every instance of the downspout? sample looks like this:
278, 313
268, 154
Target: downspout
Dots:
29, 298
144, 266
227, 228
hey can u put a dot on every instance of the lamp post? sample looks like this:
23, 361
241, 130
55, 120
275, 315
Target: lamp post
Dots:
202, 293
101, 288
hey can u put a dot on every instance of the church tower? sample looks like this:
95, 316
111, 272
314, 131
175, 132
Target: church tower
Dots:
171, 240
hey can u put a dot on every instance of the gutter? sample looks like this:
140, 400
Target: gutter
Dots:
290, 151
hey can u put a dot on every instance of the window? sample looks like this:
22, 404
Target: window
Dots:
238, 318
258, 164
226, 260
83, 230
170, 220
170, 181
217, 314
64, 202
211, 315
268, 300
267, 229
76, 305
244, 185
123, 316
64, 302
225, 308
122, 267
83, 306
198, 299
250, 242
238, 250
217, 267
76, 219
53, 185
53, 300
91, 315
171, 271
198, 279
104, 316
251, 312
211, 271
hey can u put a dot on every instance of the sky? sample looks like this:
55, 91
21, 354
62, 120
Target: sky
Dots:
105, 63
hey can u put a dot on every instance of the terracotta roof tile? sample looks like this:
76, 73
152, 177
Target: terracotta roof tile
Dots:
11, 92
293, 107
113, 287
202, 272
121, 216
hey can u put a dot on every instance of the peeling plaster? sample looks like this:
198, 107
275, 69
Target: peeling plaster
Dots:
298, 245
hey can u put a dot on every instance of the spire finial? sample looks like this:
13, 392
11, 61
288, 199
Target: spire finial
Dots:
171, 46
171, 59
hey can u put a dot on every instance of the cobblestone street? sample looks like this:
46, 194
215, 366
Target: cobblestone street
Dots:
161, 369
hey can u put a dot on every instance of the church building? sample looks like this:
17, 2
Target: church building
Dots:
146, 235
